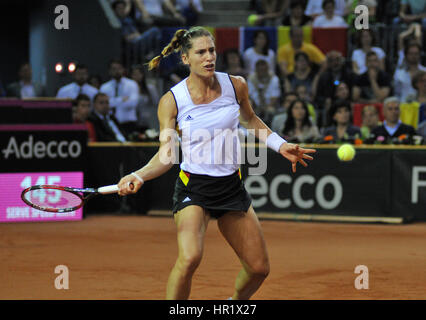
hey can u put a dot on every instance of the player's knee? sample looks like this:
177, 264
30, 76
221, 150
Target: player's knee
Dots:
190, 262
260, 269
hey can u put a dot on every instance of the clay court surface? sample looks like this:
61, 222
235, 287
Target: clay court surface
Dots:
129, 257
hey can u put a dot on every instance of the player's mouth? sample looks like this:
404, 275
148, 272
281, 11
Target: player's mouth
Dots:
209, 67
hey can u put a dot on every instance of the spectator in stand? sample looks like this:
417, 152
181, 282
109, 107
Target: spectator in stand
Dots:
374, 85
403, 76
147, 43
80, 114
148, 100
411, 11
161, 13
303, 75
78, 86
190, 9
123, 96
329, 81
365, 40
25, 87
413, 34
421, 129
296, 16
342, 129
278, 120
370, 120
392, 126
260, 50
419, 84
264, 90
95, 81
286, 53
314, 8
233, 63
298, 127
105, 124
329, 19
269, 12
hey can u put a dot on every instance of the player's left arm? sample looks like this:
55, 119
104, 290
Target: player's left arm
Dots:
291, 151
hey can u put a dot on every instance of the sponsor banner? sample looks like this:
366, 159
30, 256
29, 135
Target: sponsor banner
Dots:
327, 186
13, 209
26, 148
409, 184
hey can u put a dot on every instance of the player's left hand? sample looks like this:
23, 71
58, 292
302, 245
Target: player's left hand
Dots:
295, 154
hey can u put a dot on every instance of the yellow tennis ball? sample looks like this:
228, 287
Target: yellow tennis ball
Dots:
251, 19
346, 152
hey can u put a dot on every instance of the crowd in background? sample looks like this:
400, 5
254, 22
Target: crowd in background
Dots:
302, 93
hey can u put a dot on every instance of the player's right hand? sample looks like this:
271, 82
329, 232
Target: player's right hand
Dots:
129, 185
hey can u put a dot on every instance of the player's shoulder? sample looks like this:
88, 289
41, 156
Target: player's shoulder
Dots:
167, 102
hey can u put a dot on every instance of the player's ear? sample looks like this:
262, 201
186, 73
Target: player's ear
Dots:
185, 58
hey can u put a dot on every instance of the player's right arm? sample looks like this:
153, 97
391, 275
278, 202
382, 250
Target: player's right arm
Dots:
164, 159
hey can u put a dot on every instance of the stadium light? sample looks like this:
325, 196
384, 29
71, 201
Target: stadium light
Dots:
59, 68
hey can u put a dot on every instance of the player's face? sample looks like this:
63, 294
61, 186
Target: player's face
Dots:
201, 58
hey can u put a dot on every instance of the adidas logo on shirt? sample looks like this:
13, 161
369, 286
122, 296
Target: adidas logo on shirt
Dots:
188, 118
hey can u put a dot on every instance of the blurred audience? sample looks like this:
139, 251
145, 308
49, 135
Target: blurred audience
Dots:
95, 81
80, 113
402, 79
365, 44
260, 50
161, 13
421, 129
314, 8
190, 10
335, 73
374, 85
303, 75
411, 11
105, 124
392, 128
269, 12
79, 85
370, 120
286, 53
25, 87
296, 16
419, 84
278, 120
233, 63
298, 126
148, 100
123, 96
264, 91
342, 129
146, 43
413, 34
328, 19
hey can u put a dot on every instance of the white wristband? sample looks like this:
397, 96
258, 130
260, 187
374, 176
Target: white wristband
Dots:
137, 177
274, 141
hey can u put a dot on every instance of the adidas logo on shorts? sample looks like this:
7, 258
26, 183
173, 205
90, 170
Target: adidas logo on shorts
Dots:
186, 199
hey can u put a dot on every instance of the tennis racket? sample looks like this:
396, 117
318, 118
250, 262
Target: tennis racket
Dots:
53, 198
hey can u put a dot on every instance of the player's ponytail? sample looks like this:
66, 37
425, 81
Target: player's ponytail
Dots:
174, 46
181, 41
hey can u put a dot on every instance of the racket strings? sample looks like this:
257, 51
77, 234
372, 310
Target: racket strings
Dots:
53, 198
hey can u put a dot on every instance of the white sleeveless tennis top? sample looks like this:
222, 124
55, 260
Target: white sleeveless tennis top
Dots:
209, 141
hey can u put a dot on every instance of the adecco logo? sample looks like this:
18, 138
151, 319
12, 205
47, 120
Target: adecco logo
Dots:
258, 186
40, 149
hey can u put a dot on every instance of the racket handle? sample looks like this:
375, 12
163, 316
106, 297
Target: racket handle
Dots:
108, 189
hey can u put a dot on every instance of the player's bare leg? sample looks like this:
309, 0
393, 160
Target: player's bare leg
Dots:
244, 234
191, 225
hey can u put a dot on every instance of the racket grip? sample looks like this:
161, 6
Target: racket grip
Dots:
108, 189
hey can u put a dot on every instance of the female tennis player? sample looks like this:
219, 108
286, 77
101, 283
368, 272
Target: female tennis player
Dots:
209, 100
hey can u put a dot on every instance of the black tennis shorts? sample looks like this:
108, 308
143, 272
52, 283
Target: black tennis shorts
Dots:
218, 195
